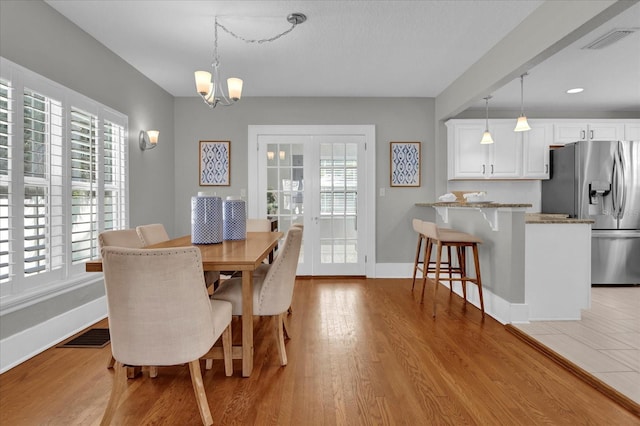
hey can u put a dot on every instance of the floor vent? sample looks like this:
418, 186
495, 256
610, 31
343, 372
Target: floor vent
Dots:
94, 338
610, 38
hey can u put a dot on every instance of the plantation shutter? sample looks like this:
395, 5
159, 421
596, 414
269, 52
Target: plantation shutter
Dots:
84, 197
6, 119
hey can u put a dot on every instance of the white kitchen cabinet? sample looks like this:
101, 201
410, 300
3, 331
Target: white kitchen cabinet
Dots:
632, 131
535, 156
522, 155
583, 130
468, 159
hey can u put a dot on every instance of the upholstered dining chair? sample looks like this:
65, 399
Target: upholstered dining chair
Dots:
124, 238
152, 234
258, 225
272, 294
176, 325
156, 233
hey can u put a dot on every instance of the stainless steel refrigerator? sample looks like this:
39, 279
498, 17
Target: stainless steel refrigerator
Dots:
600, 180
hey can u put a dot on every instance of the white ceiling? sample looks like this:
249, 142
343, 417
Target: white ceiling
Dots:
356, 48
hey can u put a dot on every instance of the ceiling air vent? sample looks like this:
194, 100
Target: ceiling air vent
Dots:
610, 38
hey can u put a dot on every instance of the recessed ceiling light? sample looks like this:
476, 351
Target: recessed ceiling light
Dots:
576, 90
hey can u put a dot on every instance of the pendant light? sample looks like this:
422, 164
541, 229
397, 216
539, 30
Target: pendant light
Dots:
486, 136
522, 125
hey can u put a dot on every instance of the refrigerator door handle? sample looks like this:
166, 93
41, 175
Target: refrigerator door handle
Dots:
622, 193
614, 185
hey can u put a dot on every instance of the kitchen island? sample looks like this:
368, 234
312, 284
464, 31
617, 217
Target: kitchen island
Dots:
533, 267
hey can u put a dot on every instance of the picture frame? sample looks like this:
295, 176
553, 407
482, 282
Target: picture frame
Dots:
215, 163
404, 164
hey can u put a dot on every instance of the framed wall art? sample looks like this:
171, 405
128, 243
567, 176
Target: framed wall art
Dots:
215, 163
405, 160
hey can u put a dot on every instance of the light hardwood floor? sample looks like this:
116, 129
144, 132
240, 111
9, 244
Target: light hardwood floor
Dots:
362, 352
605, 342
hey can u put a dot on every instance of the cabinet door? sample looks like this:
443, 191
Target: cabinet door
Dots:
535, 164
606, 131
569, 132
467, 157
632, 132
505, 159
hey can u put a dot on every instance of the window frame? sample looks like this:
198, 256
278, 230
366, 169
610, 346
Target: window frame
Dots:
20, 291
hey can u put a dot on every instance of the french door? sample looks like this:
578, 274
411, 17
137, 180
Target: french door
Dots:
321, 177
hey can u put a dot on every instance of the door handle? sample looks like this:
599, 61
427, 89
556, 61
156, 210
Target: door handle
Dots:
590, 134
483, 169
546, 169
583, 134
492, 169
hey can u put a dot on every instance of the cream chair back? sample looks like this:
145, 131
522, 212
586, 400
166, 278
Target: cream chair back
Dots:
276, 291
258, 225
430, 230
417, 225
120, 238
152, 234
159, 309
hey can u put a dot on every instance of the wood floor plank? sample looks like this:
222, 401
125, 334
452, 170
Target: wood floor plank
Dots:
362, 351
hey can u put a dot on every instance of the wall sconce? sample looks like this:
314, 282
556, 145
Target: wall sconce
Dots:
148, 139
282, 155
270, 155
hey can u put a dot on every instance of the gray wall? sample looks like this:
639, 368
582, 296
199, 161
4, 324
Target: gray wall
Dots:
62, 52
395, 119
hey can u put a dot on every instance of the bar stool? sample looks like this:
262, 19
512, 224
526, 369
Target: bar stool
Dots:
419, 264
459, 240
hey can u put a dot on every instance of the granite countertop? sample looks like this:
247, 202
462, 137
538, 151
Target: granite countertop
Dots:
484, 204
553, 218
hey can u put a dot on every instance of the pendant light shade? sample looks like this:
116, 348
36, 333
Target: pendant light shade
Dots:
522, 125
486, 136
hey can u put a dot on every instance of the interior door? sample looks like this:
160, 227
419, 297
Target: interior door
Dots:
318, 179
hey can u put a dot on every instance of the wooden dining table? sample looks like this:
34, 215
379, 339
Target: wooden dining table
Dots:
230, 255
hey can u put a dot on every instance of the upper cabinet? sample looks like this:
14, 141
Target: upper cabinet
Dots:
632, 131
566, 131
535, 157
523, 155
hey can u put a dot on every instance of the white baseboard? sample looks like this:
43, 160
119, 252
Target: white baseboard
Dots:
21, 346
394, 270
501, 310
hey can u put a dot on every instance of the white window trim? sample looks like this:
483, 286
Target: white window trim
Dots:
21, 292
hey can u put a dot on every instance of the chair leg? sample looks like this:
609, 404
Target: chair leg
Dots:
437, 277
450, 265
478, 279
112, 361
280, 338
286, 327
133, 372
198, 389
417, 261
227, 345
425, 267
463, 271
153, 372
117, 389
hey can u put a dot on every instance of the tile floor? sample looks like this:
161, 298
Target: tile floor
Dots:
605, 342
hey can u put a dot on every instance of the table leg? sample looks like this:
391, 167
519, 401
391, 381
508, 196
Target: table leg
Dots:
247, 323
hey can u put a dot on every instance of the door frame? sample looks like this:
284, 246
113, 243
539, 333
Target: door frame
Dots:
367, 131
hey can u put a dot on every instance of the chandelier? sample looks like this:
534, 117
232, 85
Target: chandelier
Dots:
209, 84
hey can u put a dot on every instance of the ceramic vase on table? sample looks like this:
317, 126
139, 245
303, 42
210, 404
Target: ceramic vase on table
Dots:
234, 219
206, 219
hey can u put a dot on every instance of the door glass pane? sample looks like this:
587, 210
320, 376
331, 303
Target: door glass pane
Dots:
285, 183
338, 202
